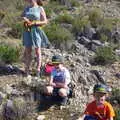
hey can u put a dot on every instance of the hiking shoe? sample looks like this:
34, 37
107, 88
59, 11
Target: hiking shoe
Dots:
63, 101
38, 74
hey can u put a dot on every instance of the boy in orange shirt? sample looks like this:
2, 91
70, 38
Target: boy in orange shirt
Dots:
99, 109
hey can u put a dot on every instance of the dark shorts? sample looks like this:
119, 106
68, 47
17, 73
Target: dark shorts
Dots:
56, 91
89, 117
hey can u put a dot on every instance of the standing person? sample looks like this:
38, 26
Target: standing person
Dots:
34, 17
99, 109
60, 78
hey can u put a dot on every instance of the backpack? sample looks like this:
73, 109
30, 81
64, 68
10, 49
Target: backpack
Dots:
48, 68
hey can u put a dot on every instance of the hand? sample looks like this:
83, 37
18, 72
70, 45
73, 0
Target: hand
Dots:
80, 119
31, 23
27, 23
52, 84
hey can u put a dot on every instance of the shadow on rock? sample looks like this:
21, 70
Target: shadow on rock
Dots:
47, 102
9, 70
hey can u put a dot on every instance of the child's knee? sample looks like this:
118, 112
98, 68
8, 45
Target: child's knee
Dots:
48, 89
63, 92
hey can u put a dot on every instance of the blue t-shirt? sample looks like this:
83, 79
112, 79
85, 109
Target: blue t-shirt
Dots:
62, 76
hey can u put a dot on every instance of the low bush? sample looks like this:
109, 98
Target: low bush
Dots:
9, 54
48, 11
16, 30
55, 6
104, 38
18, 109
64, 18
2, 15
104, 55
57, 34
79, 24
95, 17
117, 111
74, 3
115, 99
19, 4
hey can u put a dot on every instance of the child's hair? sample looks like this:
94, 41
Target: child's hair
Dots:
40, 2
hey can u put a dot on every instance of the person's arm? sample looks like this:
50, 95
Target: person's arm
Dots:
110, 112
81, 117
51, 79
51, 83
25, 19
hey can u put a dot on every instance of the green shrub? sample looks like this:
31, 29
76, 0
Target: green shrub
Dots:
19, 4
108, 24
117, 112
48, 11
2, 15
64, 18
79, 24
74, 3
116, 97
9, 54
57, 34
104, 55
11, 18
17, 30
116, 92
95, 18
104, 38
107, 27
56, 7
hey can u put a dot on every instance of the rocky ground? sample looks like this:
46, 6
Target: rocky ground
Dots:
15, 84
14, 88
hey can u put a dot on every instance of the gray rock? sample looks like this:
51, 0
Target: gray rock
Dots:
99, 75
41, 117
83, 40
2, 96
95, 44
8, 89
116, 37
15, 109
89, 32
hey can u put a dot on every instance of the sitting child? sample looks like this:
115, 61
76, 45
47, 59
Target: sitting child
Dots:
59, 80
99, 109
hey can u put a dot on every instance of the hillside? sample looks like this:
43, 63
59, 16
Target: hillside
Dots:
85, 32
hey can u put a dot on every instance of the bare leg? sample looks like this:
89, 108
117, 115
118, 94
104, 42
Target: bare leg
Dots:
38, 54
27, 57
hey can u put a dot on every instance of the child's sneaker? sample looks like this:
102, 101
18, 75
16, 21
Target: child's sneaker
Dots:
64, 101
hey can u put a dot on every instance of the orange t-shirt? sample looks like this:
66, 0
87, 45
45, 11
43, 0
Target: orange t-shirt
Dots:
102, 112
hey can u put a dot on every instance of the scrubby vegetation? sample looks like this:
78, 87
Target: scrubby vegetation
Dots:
95, 17
62, 16
9, 54
79, 24
116, 101
58, 34
105, 55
